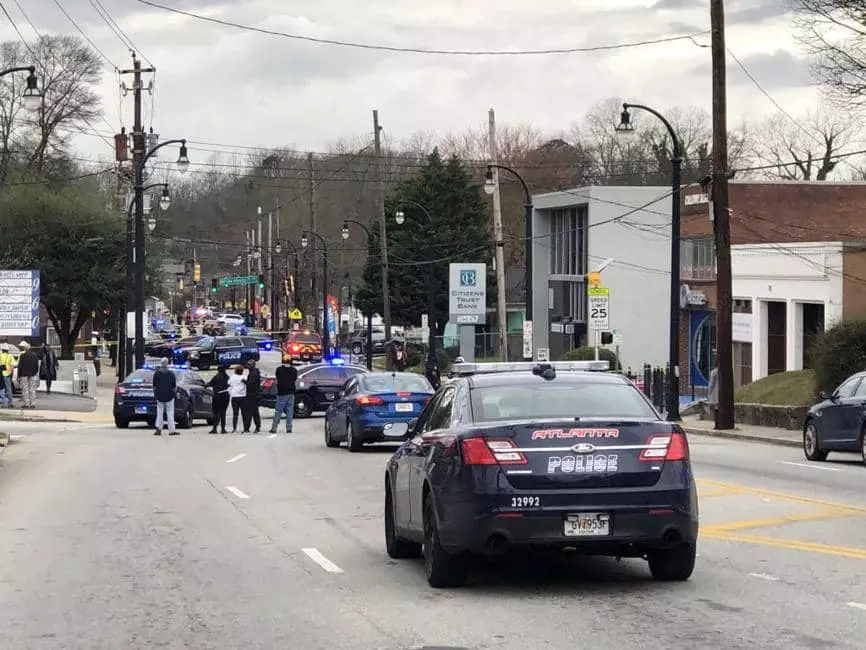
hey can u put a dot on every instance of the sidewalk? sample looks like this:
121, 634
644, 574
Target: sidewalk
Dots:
768, 435
101, 414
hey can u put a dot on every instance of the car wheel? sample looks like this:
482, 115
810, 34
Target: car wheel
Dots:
357, 348
353, 443
303, 406
398, 549
329, 440
673, 564
120, 423
810, 443
185, 422
442, 569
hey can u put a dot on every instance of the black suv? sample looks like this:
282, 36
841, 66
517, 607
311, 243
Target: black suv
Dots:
218, 350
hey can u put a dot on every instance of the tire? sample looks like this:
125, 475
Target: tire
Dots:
120, 423
357, 348
442, 569
353, 443
185, 421
303, 406
330, 443
398, 549
673, 564
811, 450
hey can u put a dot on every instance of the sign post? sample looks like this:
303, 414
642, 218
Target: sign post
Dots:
527, 339
467, 302
599, 312
19, 303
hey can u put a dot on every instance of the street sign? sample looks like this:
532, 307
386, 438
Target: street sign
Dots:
599, 308
295, 314
467, 293
19, 303
527, 339
238, 280
542, 354
617, 337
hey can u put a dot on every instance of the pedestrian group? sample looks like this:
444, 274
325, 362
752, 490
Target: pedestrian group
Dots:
32, 368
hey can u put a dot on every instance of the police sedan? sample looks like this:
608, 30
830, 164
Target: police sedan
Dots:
558, 455
218, 351
134, 400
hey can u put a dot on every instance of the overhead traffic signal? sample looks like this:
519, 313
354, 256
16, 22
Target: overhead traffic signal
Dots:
214, 285
261, 281
196, 272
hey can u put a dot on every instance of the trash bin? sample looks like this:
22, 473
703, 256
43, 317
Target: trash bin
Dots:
79, 380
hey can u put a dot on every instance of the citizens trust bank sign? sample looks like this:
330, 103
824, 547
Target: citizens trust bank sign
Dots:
467, 293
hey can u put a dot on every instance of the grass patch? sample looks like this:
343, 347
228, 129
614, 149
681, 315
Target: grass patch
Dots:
795, 388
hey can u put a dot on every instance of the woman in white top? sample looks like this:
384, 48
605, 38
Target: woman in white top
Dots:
237, 392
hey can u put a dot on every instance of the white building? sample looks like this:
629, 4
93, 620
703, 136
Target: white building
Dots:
575, 231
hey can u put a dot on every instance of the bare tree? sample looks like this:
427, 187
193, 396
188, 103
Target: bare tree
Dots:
807, 149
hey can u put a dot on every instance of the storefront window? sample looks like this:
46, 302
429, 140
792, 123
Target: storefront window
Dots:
704, 345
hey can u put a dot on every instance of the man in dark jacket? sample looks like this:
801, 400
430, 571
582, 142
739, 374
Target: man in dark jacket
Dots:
251, 401
164, 389
28, 374
287, 376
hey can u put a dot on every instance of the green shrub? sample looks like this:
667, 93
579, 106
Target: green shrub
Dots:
588, 354
415, 354
838, 353
445, 356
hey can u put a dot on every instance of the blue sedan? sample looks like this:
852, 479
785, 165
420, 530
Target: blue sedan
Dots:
369, 404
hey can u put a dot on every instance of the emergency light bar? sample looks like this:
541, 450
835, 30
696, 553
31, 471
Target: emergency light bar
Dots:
527, 366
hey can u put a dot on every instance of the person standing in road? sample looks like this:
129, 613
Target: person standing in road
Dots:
48, 365
164, 389
220, 386
28, 374
287, 375
712, 393
237, 394
7, 366
251, 414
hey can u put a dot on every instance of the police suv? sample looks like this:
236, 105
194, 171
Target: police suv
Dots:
218, 351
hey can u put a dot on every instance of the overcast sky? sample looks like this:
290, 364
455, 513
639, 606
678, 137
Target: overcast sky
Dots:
224, 85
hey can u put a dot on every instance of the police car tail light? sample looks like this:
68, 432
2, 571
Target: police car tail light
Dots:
666, 446
119, 390
369, 400
480, 451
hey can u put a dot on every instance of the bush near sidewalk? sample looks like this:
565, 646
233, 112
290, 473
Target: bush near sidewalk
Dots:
838, 353
795, 388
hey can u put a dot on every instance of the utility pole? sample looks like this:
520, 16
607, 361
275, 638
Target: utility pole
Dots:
383, 238
722, 219
499, 244
276, 316
259, 256
250, 245
312, 226
194, 284
270, 291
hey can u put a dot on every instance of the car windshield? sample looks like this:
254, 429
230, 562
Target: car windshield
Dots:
307, 338
140, 377
189, 341
396, 384
555, 401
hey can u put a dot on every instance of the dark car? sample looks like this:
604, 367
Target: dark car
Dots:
160, 348
368, 402
134, 400
317, 387
264, 340
550, 456
218, 350
838, 421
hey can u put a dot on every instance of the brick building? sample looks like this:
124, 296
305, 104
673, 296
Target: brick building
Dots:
798, 265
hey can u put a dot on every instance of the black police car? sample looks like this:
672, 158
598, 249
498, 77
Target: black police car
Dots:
218, 350
522, 455
317, 386
134, 400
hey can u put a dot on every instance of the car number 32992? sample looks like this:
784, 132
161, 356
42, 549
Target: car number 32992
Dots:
525, 502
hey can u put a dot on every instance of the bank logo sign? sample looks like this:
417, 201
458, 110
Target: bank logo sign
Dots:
467, 293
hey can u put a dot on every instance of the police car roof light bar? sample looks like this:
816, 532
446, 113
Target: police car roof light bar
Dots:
466, 368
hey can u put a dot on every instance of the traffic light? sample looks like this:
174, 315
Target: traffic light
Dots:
606, 338
292, 283
196, 272
180, 284
286, 287
261, 281
213, 285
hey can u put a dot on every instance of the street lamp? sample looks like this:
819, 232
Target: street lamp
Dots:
400, 218
32, 97
626, 126
345, 233
165, 199
326, 338
151, 224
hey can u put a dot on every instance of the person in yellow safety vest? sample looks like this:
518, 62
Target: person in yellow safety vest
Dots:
7, 364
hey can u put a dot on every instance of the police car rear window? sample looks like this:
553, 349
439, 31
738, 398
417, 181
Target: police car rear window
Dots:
564, 400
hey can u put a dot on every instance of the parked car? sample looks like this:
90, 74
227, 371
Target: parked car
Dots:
231, 320
264, 339
316, 389
368, 402
837, 422
359, 341
134, 400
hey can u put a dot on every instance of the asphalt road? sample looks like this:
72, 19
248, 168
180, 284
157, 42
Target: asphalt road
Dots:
118, 539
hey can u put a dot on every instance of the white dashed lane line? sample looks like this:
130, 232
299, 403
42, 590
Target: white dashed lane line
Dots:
316, 556
763, 576
857, 606
236, 492
822, 467
236, 458
273, 435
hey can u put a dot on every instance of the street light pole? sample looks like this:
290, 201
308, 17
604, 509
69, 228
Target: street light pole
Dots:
31, 95
326, 337
625, 126
429, 280
370, 243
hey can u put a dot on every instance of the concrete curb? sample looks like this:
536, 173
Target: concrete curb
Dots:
738, 435
24, 418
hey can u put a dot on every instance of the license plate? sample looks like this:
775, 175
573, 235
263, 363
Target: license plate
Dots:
588, 524
141, 409
404, 408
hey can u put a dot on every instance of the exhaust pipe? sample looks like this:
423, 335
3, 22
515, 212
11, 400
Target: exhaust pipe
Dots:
496, 544
672, 537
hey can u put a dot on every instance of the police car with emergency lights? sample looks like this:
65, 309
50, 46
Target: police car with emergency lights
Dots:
134, 400
559, 455
218, 351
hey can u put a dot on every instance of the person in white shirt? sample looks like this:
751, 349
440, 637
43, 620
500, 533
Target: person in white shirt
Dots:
237, 392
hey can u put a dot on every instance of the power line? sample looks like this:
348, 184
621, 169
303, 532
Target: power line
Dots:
117, 29
86, 37
18, 31
417, 50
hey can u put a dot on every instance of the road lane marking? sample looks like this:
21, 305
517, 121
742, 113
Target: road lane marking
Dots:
236, 492
783, 495
832, 513
764, 576
704, 494
857, 605
790, 544
236, 458
807, 466
316, 556
273, 435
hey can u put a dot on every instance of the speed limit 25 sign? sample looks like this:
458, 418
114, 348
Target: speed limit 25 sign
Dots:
599, 308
